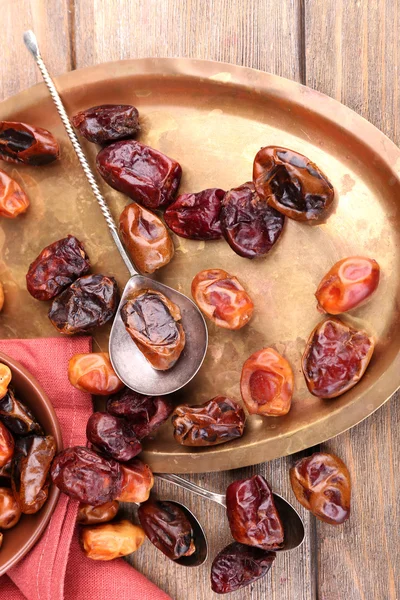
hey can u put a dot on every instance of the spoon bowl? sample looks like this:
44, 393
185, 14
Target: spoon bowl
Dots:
200, 555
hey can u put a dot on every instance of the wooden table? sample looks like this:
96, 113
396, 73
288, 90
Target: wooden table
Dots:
349, 49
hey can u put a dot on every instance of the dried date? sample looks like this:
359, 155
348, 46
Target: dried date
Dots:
196, 216
137, 481
321, 483
5, 378
252, 515
91, 515
250, 226
113, 436
6, 445
222, 298
93, 373
152, 321
13, 200
167, 527
217, 421
146, 238
142, 173
291, 183
111, 540
17, 417
89, 302
23, 143
238, 565
107, 123
335, 358
10, 512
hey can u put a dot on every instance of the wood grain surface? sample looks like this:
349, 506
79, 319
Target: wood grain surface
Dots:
350, 50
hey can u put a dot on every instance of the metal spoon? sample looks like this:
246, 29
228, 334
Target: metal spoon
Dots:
128, 362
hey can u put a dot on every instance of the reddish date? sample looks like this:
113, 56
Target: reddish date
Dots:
252, 515
167, 527
238, 565
6, 445
85, 476
93, 373
142, 173
107, 123
91, 515
335, 358
17, 417
222, 298
196, 216
250, 226
137, 481
146, 238
266, 383
347, 284
13, 200
152, 321
10, 512
292, 184
321, 483
89, 302
113, 436
144, 413
22, 143
56, 267
217, 421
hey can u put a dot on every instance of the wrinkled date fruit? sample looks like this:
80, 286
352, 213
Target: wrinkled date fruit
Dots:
89, 302
91, 515
111, 540
22, 143
30, 470
113, 436
253, 517
5, 378
196, 216
291, 183
146, 238
17, 417
238, 565
335, 358
348, 283
6, 445
56, 267
321, 483
266, 383
222, 298
10, 512
142, 173
85, 476
107, 123
13, 200
167, 527
144, 413
217, 421
152, 321
250, 226
137, 481
93, 373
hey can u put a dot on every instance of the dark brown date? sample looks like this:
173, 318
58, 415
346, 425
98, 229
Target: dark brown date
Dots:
113, 436
321, 483
217, 421
335, 358
10, 512
30, 471
142, 173
17, 417
89, 302
253, 517
85, 476
196, 216
238, 565
291, 183
22, 143
107, 123
152, 321
137, 481
144, 413
91, 515
6, 445
56, 267
13, 200
250, 226
167, 527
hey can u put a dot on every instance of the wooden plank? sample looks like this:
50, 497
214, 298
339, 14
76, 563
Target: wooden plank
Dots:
265, 35
352, 54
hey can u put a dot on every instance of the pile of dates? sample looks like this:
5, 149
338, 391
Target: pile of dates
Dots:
26, 454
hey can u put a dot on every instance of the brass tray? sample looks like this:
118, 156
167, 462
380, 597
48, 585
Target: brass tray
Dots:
213, 118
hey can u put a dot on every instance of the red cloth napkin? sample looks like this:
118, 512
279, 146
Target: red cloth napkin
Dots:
56, 568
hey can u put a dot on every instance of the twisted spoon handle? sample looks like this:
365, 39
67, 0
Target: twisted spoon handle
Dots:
32, 45
192, 487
